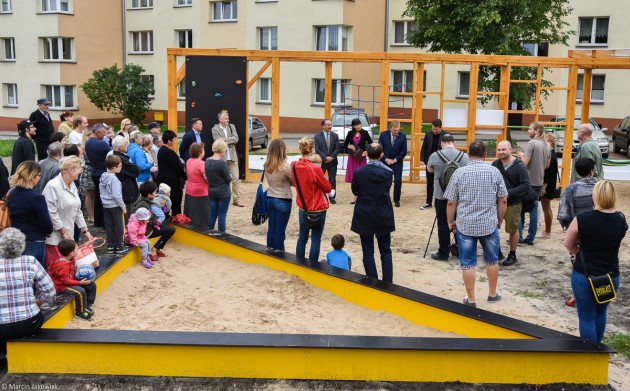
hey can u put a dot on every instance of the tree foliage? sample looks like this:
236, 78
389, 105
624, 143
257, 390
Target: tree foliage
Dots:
490, 27
120, 91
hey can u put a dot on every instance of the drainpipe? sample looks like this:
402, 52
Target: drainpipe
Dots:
386, 45
124, 33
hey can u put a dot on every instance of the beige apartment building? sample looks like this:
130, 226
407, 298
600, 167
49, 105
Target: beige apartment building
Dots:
49, 47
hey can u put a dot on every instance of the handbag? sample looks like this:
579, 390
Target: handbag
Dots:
313, 219
259, 211
85, 254
602, 286
5, 214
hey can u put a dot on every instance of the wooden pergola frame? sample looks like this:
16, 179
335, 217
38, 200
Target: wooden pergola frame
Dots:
586, 60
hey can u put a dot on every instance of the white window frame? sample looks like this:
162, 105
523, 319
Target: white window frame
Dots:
187, 36
183, 3
219, 13
55, 6
8, 45
272, 32
10, 94
264, 90
341, 40
337, 95
534, 49
56, 54
460, 84
599, 96
593, 32
141, 4
137, 37
180, 95
406, 85
59, 103
6, 7
407, 27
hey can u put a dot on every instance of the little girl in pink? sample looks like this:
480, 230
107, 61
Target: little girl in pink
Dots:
136, 229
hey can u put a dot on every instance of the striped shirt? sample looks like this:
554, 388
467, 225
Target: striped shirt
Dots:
18, 276
476, 188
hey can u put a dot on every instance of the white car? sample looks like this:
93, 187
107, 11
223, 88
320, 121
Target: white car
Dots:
342, 120
598, 135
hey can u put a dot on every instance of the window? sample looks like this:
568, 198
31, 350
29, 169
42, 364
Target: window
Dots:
181, 90
141, 3
6, 7
332, 38
184, 3
184, 39
597, 88
403, 81
55, 5
338, 91
264, 95
151, 79
268, 38
537, 49
224, 11
60, 97
464, 84
11, 94
57, 49
401, 29
8, 49
593, 31
142, 41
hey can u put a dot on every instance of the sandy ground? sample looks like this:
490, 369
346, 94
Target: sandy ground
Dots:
534, 290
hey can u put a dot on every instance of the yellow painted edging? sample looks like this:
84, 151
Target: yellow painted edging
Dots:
367, 297
311, 363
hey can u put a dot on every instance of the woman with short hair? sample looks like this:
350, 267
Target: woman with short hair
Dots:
197, 204
219, 179
79, 124
125, 125
171, 170
138, 154
66, 126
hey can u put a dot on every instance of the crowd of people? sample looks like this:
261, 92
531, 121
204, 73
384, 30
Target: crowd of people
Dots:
136, 181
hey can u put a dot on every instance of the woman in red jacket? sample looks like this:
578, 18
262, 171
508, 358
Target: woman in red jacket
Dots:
312, 189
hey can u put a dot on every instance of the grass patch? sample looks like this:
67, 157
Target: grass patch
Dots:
619, 341
530, 294
6, 148
482, 278
542, 284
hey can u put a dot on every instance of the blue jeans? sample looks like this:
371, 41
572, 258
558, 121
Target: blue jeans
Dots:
533, 219
218, 209
37, 249
591, 315
385, 249
279, 213
468, 249
316, 237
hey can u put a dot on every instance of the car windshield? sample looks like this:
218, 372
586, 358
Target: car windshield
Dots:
346, 120
576, 122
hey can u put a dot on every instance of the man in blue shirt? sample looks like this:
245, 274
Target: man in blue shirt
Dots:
96, 149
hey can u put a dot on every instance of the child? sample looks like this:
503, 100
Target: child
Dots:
63, 271
162, 199
136, 235
338, 257
113, 205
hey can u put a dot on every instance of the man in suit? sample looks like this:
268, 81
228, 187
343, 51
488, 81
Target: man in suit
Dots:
44, 124
227, 132
23, 149
191, 137
327, 147
430, 143
394, 151
373, 213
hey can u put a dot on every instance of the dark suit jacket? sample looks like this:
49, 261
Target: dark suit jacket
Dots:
128, 176
397, 151
427, 144
23, 150
320, 146
44, 127
188, 140
373, 212
365, 139
170, 170
4, 179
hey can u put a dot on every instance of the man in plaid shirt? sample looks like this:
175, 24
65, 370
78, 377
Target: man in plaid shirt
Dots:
477, 194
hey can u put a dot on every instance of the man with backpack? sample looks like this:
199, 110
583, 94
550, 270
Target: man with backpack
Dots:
442, 164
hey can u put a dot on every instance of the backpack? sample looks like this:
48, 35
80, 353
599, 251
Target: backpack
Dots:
449, 168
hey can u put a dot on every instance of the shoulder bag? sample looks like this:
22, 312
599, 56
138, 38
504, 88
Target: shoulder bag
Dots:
260, 212
5, 214
528, 199
313, 219
602, 286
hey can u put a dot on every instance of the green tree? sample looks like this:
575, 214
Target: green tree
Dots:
121, 91
491, 27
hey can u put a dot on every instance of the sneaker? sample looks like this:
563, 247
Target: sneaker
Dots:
121, 249
494, 299
426, 206
85, 315
438, 257
147, 263
332, 201
468, 303
510, 260
111, 250
89, 309
525, 241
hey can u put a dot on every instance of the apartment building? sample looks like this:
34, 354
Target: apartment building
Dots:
49, 47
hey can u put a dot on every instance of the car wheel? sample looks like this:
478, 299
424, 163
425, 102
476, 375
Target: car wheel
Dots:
604, 156
616, 148
251, 144
265, 142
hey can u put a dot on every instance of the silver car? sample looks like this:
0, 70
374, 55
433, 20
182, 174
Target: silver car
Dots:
598, 135
257, 133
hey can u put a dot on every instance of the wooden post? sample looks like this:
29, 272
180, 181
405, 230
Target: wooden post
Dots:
172, 95
275, 98
568, 129
384, 94
586, 94
328, 90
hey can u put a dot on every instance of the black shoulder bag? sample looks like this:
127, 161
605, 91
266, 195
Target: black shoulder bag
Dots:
259, 211
313, 219
528, 199
602, 286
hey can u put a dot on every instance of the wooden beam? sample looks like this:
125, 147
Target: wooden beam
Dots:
384, 94
258, 75
171, 72
275, 99
568, 129
328, 90
472, 101
586, 94
181, 74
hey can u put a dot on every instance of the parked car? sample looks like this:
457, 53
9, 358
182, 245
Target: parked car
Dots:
257, 133
342, 120
621, 136
598, 135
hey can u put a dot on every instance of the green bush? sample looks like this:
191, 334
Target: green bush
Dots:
6, 148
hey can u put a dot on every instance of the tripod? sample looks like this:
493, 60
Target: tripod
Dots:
453, 247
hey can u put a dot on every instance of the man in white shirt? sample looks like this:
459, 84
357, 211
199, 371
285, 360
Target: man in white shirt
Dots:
227, 132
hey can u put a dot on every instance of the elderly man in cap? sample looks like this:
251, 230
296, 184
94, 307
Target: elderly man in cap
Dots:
23, 148
44, 124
